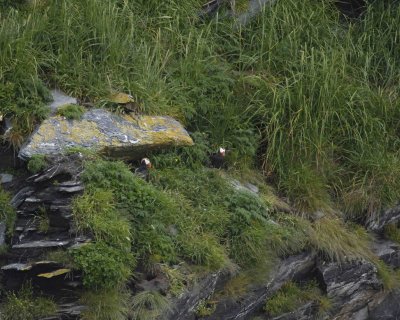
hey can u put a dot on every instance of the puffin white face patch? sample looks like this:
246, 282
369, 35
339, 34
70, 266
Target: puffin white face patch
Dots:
146, 161
222, 151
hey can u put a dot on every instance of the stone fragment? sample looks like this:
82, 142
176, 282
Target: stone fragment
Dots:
60, 99
6, 178
55, 273
3, 230
41, 244
121, 137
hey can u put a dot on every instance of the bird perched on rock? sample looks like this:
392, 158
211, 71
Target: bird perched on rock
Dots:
217, 160
143, 170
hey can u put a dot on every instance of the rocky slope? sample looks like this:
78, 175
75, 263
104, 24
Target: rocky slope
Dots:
354, 288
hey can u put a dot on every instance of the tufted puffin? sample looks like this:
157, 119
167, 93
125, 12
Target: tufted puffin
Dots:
217, 160
143, 170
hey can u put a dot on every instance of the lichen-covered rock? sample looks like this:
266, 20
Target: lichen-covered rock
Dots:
118, 136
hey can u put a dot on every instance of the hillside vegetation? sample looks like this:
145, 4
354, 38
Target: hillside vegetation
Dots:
305, 99
308, 97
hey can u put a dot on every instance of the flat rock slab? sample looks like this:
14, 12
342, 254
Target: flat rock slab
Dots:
117, 136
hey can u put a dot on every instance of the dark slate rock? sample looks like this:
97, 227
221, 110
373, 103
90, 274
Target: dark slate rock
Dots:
376, 222
305, 312
295, 267
351, 287
41, 244
2, 233
6, 178
388, 251
184, 307
388, 308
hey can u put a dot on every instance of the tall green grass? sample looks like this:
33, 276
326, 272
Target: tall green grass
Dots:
307, 96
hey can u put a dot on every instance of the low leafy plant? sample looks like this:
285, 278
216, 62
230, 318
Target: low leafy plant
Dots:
37, 163
71, 111
103, 266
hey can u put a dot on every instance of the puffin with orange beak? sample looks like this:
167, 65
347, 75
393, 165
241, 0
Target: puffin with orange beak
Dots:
217, 160
143, 170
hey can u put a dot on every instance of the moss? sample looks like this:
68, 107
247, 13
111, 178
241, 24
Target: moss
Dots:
37, 163
71, 111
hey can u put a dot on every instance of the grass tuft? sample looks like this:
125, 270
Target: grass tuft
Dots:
71, 111
23, 305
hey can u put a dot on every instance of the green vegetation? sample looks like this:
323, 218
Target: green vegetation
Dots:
292, 296
71, 111
110, 304
7, 212
43, 221
148, 305
392, 232
37, 163
304, 96
206, 308
23, 305
312, 85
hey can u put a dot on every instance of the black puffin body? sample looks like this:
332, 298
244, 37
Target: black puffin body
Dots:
217, 160
143, 170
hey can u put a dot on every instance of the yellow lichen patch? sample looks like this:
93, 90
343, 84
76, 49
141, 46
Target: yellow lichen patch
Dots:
86, 131
54, 273
121, 98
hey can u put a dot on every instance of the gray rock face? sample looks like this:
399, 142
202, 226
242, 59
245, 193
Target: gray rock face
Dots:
351, 287
295, 267
379, 220
388, 308
185, 306
52, 190
2, 233
306, 312
5, 178
388, 251
117, 136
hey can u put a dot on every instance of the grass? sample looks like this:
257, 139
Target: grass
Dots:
71, 111
392, 232
7, 212
148, 305
23, 305
292, 296
339, 242
297, 91
110, 304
